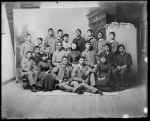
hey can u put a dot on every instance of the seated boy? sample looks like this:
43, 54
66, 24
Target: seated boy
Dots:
62, 74
122, 66
58, 54
82, 74
103, 79
29, 69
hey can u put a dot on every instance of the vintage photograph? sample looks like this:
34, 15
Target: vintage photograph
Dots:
74, 59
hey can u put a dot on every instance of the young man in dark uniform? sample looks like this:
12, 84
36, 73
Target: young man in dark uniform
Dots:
37, 55
114, 44
123, 62
74, 54
92, 40
48, 53
108, 54
80, 41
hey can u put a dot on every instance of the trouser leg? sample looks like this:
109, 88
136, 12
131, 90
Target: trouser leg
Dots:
116, 76
32, 77
65, 86
92, 79
75, 85
122, 76
88, 88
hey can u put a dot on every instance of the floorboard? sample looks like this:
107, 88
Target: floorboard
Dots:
18, 103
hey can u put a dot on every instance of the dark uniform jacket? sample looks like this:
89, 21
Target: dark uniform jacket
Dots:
36, 58
74, 56
125, 59
80, 43
109, 57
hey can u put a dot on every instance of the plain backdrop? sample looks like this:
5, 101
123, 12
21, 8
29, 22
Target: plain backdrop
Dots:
38, 21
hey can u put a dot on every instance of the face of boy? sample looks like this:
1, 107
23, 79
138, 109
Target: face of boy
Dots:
44, 58
82, 61
78, 33
28, 55
50, 32
37, 50
89, 33
68, 50
73, 46
121, 49
28, 38
60, 33
99, 35
47, 49
59, 46
88, 46
39, 41
65, 38
103, 59
106, 48
65, 61
112, 37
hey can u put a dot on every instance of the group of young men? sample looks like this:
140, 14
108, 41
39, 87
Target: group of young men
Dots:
82, 65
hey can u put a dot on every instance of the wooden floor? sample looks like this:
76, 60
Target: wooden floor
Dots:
20, 104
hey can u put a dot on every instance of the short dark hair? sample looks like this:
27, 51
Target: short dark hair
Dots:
65, 35
82, 57
64, 57
47, 46
78, 30
36, 47
59, 30
112, 33
50, 29
121, 45
102, 55
107, 44
90, 30
28, 52
101, 33
43, 55
40, 38
88, 41
28, 34
75, 43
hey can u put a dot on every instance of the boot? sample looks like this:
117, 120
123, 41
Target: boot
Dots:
33, 88
99, 92
38, 88
79, 90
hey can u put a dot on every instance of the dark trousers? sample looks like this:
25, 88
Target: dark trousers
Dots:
119, 76
70, 86
32, 76
87, 88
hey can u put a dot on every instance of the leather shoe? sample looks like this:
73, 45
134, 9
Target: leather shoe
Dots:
33, 89
79, 90
99, 92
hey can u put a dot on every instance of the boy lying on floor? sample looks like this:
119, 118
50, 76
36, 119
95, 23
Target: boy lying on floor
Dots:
77, 83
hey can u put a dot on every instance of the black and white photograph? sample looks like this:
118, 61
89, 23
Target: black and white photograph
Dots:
74, 59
